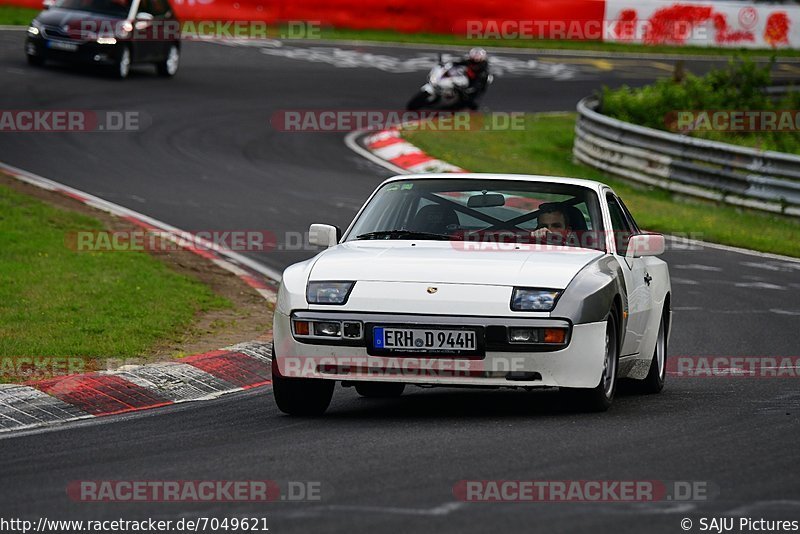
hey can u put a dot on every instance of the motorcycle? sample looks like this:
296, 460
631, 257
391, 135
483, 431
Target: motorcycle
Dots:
445, 90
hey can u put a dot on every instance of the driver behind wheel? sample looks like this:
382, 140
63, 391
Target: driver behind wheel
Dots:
554, 226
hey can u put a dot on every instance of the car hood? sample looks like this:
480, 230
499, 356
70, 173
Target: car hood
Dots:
451, 262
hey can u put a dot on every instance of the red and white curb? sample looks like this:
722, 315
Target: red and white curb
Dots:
388, 149
134, 388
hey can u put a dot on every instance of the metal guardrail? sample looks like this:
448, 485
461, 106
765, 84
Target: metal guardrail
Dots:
764, 180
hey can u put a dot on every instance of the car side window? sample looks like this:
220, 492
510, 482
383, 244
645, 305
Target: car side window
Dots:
619, 224
631, 220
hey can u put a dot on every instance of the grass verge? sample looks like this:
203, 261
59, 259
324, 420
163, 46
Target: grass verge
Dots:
544, 146
545, 44
17, 16
55, 301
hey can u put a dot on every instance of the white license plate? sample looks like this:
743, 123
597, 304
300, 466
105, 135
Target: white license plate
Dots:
59, 45
424, 340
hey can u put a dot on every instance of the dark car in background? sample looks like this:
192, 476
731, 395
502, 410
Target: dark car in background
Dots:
114, 34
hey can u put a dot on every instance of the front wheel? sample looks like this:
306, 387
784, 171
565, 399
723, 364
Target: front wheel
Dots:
380, 390
300, 396
419, 101
122, 67
169, 66
599, 399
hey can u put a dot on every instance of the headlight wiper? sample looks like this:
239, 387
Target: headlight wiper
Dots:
408, 234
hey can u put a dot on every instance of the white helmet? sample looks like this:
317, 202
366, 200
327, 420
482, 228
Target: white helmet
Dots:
477, 55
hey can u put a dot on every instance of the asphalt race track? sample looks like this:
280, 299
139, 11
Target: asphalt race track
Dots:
207, 158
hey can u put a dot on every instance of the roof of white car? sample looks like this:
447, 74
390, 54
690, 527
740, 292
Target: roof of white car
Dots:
492, 176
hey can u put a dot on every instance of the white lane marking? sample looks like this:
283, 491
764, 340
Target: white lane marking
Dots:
441, 510
652, 508
784, 312
729, 248
776, 311
251, 42
759, 285
748, 509
349, 59
772, 266
697, 267
764, 265
684, 281
543, 51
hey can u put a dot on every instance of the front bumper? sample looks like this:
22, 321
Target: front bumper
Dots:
579, 364
85, 52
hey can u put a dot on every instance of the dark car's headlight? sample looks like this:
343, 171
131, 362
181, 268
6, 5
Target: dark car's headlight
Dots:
34, 28
530, 299
328, 292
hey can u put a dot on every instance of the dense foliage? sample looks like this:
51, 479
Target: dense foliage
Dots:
740, 86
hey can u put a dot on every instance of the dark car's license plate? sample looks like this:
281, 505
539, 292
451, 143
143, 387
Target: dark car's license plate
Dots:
59, 45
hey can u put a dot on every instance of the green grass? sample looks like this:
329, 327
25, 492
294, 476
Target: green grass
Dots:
17, 16
55, 301
544, 44
544, 146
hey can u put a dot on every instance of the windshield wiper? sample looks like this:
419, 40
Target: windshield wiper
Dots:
407, 234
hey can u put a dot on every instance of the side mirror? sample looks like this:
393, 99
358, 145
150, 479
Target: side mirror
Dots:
47, 4
645, 245
323, 235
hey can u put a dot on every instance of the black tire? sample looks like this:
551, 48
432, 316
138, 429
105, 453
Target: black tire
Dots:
300, 396
654, 381
380, 390
600, 398
122, 65
419, 101
169, 66
36, 61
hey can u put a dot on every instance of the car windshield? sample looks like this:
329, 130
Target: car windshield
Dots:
505, 211
114, 8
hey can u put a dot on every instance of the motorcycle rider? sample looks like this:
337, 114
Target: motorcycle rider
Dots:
477, 72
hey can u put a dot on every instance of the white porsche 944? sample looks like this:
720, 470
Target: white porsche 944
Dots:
475, 280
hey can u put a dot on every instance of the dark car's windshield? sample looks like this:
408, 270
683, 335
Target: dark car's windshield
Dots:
483, 210
113, 8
